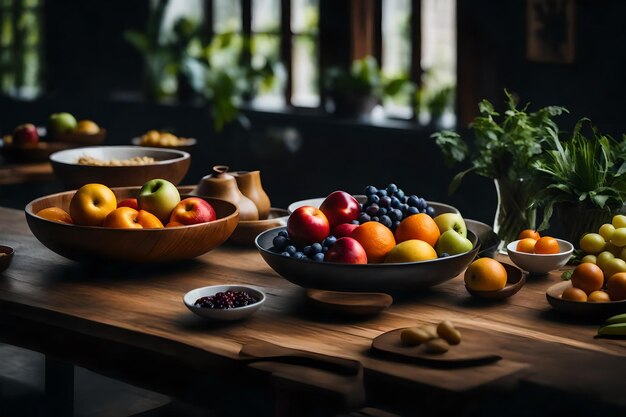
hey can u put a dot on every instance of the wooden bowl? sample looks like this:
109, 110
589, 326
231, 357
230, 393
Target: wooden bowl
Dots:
515, 280
170, 164
130, 245
247, 231
582, 308
350, 303
364, 278
186, 146
39, 152
82, 139
6, 256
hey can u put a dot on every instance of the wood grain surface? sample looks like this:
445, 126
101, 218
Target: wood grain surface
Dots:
142, 306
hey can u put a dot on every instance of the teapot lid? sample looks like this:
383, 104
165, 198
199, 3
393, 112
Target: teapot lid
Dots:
221, 172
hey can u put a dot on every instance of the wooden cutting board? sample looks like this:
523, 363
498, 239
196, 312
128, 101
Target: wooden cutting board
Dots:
472, 351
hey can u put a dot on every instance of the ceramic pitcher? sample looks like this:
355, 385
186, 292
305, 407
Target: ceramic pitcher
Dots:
249, 183
221, 184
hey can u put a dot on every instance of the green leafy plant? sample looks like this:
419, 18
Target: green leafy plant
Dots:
440, 101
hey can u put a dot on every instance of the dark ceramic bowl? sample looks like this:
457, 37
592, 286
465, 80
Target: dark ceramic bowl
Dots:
583, 309
489, 240
369, 277
6, 256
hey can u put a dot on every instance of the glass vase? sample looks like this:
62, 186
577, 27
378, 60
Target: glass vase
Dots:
514, 212
576, 220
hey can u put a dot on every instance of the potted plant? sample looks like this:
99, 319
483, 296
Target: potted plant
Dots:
356, 92
505, 149
583, 179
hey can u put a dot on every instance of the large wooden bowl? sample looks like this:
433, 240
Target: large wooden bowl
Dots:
129, 245
170, 164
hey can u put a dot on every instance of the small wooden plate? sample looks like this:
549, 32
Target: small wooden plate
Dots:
6, 256
353, 303
582, 308
248, 230
515, 280
471, 351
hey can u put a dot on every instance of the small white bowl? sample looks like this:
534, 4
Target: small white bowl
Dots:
223, 314
540, 264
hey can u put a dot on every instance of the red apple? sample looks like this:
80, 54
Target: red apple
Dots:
128, 202
343, 230
307, 225
192, 210
346, 250
340, 207
25, 135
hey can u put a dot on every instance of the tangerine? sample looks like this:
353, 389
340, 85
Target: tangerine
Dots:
616, 286
376, 239
574, 294
598, 297
588, 277
55, 214
526, 245
418, 226
547, 245
530, 234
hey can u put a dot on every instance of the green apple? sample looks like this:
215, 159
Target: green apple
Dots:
603, 258
619, 220
451, 221
606, 231
619, 237
452, 243
613, 266
61, 123
158, 197
592, 243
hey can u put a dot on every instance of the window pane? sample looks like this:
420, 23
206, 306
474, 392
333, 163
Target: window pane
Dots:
226, 16
305, 74
304, 16
266, 16
269, 74
29, 26
31, 3
6, 36
396, 28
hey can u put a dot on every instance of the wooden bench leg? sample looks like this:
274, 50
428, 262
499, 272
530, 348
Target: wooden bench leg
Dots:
59, 385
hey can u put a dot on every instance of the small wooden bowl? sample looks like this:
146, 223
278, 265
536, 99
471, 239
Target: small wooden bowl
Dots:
39, 152
6, 256
186, 146
247, 231
170, 164
582, 308
129, 245
515, 280
82, 139
351, 303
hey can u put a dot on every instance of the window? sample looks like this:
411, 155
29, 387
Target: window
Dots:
20, 47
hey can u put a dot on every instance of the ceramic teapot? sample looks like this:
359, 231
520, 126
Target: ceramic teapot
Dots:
249, 183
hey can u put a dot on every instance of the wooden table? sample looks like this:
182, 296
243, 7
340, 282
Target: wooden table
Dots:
130, 322
24, 173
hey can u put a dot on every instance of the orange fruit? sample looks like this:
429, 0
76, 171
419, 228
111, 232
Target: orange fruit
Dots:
616, 286
418, 226
598, 297
530, 234
55, 214
588, 277
547, 245
574, 294
376, 239
526, 245
411, 251
485, 274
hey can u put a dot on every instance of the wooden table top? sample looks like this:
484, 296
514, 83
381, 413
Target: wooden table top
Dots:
142, 306
24, 173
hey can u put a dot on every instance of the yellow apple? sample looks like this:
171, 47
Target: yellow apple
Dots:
91, 204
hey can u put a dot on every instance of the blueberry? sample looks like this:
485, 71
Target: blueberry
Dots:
291, 250
287, 254
381, 193
283, 233
422, 204
364, 218
412, 210
395, 225
423, 211
318, 257
373, 199
430, 211
382, 211
299, 255
399, 194
385, 201
444, 255
324, 249
395, 215
392, 189
361, 207
404, 208
375, 219
395, 203
316, 248
307, 251
280, 242
355, 222
386, 221
413, 201
370, 189
329, 241
372, 210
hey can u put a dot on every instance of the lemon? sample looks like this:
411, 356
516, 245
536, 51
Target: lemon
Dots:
413, 250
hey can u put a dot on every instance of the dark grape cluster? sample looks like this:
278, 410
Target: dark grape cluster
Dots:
314, 252
226, 299
389, 206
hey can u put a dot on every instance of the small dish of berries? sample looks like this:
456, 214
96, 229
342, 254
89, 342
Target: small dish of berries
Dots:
224, 302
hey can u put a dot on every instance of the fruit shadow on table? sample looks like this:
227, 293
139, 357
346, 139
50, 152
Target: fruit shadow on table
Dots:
552, 315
